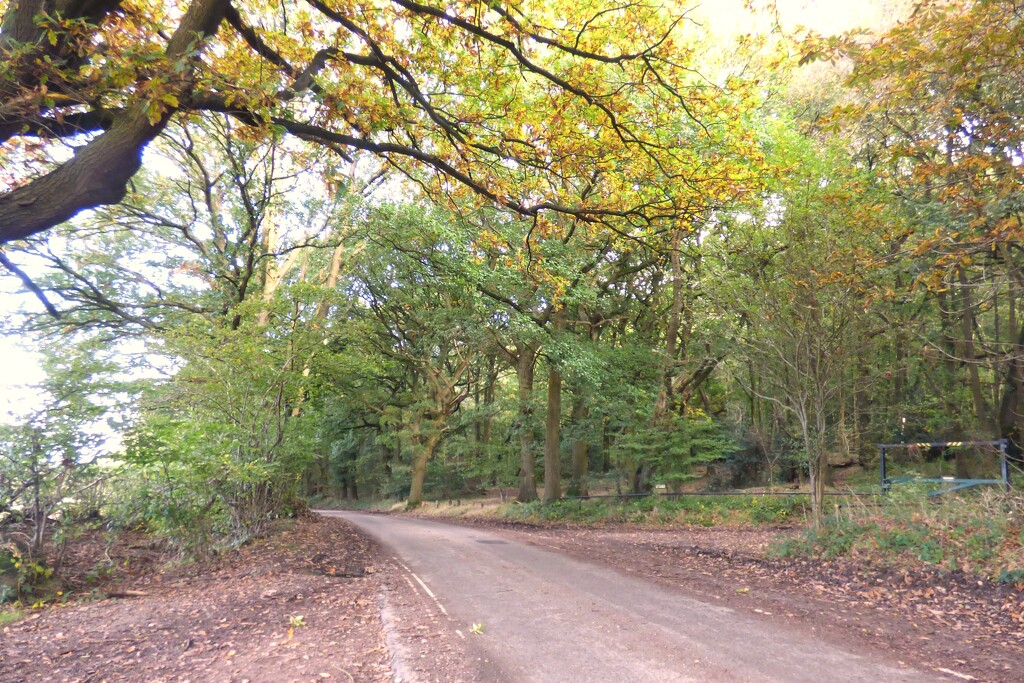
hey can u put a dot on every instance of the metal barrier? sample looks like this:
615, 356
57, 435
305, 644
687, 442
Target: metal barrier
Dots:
955, 484
752, 494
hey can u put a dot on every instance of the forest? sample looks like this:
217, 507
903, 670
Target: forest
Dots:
402, 250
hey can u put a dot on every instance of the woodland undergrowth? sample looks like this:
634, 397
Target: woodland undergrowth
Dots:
979, 532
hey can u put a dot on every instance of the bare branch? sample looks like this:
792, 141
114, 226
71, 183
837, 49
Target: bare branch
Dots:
30, 285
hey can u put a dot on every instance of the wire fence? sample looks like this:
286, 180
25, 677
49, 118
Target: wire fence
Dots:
754, 494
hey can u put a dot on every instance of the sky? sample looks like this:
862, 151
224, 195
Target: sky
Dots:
19, 369
728, 17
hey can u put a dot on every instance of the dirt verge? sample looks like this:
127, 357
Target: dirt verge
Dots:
300, 606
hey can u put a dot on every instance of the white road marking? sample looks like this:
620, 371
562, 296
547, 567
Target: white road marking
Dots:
426, 588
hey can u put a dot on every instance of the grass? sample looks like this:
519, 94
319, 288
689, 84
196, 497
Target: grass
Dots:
979, 532
367, 504
10, 615
655, 511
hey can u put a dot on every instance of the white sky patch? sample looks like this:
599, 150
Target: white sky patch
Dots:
728, 17
19, 374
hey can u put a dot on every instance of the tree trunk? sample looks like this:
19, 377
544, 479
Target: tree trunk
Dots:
1009, 405
819, 470
483, 426
331, 281
812, 429
661, 404
423, 451
525, 366
38, 509
487, 428
1010, 412
981, 410
632, 471
272, 274
553, 438
901, 376
553, 420
580, 450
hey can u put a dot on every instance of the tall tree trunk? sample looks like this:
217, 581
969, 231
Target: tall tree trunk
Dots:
900, 380
553, 438
578, 486
819, 477
1013, 382
553, 420
1011, 404
487, 428
270, 277
525, 366
331, 281
981, 410
423, 451
483, 396
813, 432
861, 400
38, 509
661, 405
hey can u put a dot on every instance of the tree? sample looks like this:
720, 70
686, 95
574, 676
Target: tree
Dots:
543, 109
425, 318
565, 121
673, 446
220, 447
803, 263
936, 112
226, 220
223, 273
48, 461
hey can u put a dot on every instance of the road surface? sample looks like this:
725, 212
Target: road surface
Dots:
543, 616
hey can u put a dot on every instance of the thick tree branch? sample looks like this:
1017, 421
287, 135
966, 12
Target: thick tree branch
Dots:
99, 172
101, 168
75, 123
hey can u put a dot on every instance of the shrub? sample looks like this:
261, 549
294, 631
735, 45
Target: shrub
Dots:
832, 539
978, 532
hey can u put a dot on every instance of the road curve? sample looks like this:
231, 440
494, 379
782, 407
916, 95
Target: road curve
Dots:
548, 617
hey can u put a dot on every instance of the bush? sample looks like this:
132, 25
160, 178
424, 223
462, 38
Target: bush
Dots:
832, 539
21, 578
978, 532
683, 509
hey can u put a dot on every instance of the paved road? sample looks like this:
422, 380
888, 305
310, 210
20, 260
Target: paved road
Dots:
548, 617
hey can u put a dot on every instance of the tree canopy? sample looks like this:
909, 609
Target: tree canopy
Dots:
588, 110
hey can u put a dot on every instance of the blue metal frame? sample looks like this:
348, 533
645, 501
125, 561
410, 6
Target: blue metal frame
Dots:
956, 484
